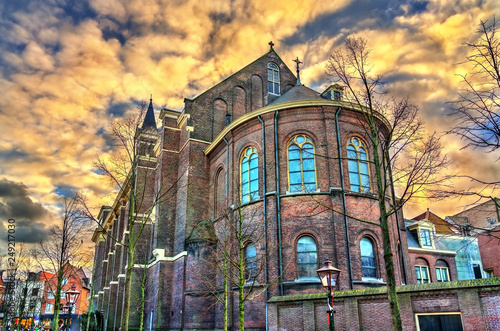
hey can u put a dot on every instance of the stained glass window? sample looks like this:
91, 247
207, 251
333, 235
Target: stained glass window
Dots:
307, 257
301, 164
368, 258
357, 159
249, 175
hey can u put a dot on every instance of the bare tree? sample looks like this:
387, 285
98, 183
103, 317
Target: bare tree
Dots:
403, 155
63, 251
239, 258
131, 171
477, 109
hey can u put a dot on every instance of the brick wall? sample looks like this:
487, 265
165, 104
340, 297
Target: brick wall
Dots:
477, 302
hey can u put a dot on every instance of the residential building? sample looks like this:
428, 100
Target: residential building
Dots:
73, 277
482, 222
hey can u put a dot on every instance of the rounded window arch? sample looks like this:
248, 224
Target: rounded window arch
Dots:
273, 79
307, 257
301, 164
357, 159
250, 261
368, 264
249, 175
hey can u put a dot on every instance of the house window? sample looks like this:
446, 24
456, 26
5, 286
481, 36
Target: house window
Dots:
65, 280
442, 274
249, 175
368, 258
425, 238
34, 292
358, 166
250, 262
50, 295
477, 271
301, 167
273, 79
442, 271
32, 305
48, 308
489, 273
307, 257
422, 274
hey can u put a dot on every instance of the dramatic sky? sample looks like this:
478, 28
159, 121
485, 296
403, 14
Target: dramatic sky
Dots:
68, 67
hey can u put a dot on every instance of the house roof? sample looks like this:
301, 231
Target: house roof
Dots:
45, 276
483, 216
412, 235
441, 226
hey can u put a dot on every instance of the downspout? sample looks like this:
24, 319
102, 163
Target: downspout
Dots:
227, 170
278, 207
397, 221
341, 167
264, 203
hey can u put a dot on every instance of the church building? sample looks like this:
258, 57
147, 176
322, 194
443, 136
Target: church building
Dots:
292, 161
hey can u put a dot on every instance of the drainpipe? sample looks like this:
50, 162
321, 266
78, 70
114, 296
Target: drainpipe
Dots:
397, 221
227, 170
341, 167
264, 203
278, 207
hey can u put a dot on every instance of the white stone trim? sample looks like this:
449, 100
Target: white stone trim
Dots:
430, 250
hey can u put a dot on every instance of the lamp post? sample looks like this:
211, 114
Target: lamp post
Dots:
329, 277
71, 297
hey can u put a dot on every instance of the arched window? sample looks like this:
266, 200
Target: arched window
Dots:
422, 271
442, 271
358, 166
368, 258
307, 257
273, 79
249, 175
250, 262
301, 167
220, 192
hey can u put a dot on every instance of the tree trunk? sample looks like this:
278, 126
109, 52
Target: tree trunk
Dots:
128, 288
386, 238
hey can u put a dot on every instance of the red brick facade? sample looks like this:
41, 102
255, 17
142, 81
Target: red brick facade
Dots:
199, 153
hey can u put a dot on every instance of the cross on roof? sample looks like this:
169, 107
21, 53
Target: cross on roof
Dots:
298, 69
271, 44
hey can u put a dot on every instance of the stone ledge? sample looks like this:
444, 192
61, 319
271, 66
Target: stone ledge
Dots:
486, 283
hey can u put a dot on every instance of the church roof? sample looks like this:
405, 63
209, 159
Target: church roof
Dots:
298, 93
149, 119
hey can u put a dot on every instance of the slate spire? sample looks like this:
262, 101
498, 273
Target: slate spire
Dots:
149, 119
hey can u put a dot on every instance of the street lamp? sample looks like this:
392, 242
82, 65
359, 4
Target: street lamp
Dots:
71, 297
329, 277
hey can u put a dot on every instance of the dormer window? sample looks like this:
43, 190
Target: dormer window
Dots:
273, 79
423, 233
425, 238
